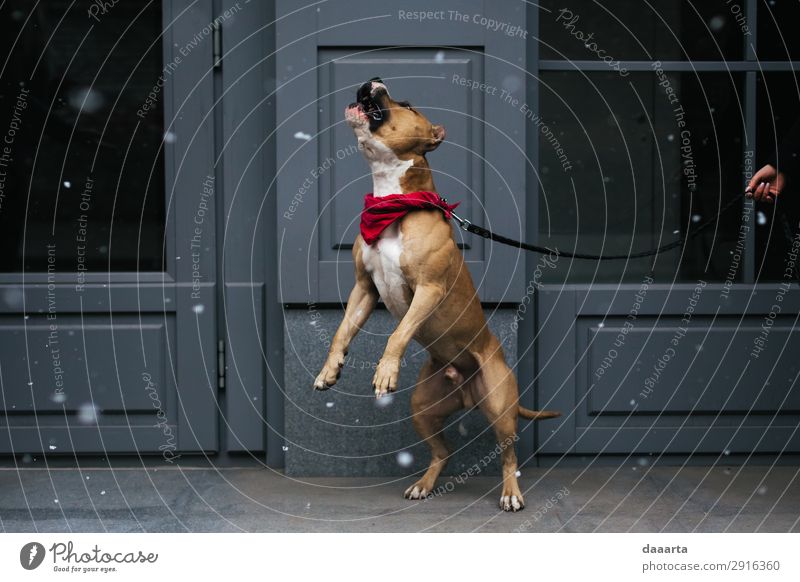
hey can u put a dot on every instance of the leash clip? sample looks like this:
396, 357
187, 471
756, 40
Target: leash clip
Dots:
462, 222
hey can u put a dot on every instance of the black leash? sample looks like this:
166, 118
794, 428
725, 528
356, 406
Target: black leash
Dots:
485, 233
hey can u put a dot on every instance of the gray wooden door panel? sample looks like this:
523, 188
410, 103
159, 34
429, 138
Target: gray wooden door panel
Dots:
635, 404
756, 439
555, 369
136, 437
380, 23
119, 405
125, 297
244, 414
115, 363
714, 358
672, 299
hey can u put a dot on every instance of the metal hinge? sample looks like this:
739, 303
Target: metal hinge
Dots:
221, 364
217, 45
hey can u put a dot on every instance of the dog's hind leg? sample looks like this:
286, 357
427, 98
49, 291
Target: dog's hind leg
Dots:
435, 397
495, 391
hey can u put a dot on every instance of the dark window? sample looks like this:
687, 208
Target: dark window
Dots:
777, 30
778, 101
637, 30
626, 167
85, 186
729, 65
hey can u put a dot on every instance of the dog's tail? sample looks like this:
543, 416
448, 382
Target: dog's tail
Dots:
537, 414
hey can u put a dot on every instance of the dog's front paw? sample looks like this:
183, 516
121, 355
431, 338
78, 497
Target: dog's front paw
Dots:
385, 379
330, 372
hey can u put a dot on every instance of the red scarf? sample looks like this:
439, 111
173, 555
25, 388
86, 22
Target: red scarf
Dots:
379, 213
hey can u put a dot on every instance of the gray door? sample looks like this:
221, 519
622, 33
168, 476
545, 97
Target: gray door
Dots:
108, 325
695, 351
459, 73
325, 53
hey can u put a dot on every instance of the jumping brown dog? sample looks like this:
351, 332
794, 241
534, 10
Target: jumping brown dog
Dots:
419, 272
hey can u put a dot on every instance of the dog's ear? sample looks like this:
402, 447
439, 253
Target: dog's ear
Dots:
437, 137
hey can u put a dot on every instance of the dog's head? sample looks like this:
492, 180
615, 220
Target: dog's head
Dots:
378, 120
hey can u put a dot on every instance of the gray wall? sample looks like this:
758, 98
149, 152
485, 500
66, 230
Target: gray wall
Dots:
345, 431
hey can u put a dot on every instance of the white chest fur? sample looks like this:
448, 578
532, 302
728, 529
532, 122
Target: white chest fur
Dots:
382, 262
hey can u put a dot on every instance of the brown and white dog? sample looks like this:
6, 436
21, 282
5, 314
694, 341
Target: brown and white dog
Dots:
419, 272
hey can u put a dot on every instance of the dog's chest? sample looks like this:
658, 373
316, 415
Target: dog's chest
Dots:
382, 262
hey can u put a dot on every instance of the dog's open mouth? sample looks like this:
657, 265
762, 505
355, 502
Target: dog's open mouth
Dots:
372, 109
368, 103
369, 107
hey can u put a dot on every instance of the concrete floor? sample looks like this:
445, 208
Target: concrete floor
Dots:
642, 499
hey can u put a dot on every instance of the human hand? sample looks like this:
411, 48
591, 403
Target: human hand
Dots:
766, 184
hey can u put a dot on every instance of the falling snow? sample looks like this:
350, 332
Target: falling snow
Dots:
87, 413
716, 23
13, 297
512, 83
384, 401
86, 99
404, 459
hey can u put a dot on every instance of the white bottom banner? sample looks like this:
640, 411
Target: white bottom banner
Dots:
389, 557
